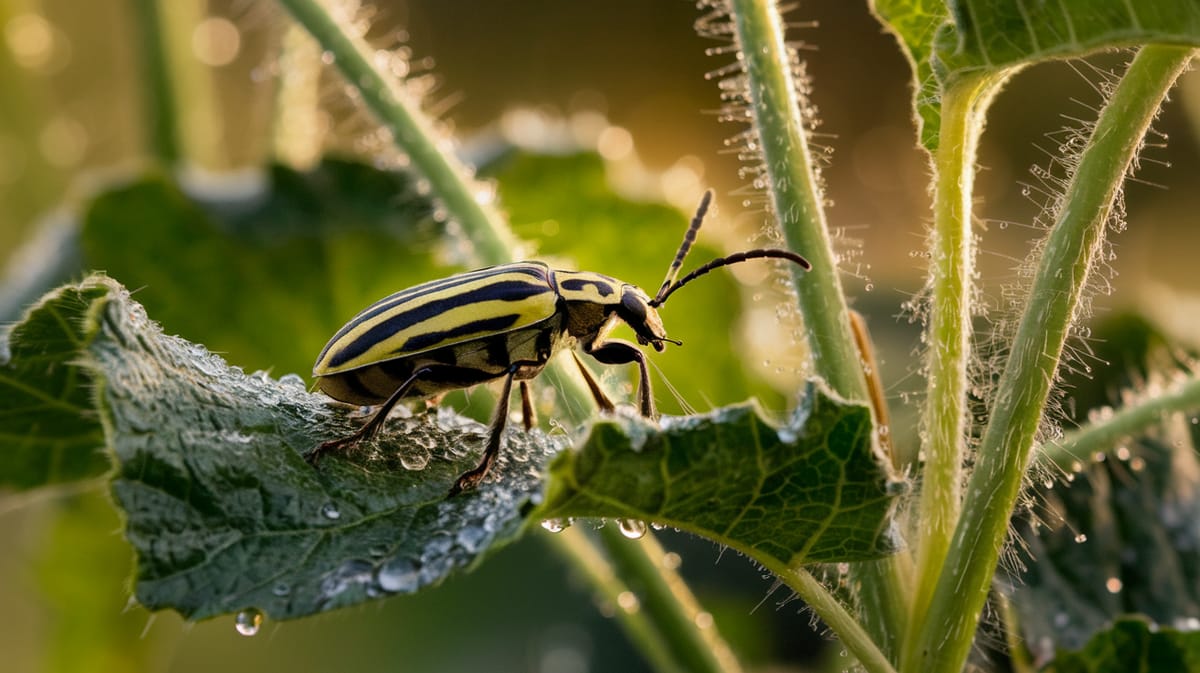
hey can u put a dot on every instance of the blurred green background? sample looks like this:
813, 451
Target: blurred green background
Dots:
72, 118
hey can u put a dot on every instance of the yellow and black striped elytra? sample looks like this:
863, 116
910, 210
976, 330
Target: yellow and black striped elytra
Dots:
502, 322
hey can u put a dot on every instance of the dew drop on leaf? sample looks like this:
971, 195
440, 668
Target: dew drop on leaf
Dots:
632, 528
330, 511
247, 622
555, 525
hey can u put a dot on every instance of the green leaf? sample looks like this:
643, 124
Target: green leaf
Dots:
811, 491
51, 435
226, 515
966, 38
1132, 644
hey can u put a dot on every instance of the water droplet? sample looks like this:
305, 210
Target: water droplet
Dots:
281, 589
415, 459
556, 525
293, 380
672, 561
398, 576
1081, 538
1113, 584
704, 620
330, 511
472, 538
248, 621
632, 528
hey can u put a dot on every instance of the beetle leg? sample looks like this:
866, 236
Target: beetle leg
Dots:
618, 352
528, 413
372, 426
593, 385
470, 479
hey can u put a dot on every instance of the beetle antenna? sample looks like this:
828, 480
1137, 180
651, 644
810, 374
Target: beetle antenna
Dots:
735, 258
688, 239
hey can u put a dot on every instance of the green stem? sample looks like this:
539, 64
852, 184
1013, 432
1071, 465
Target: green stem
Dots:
398, 110
1101, 436
795, 193
161, 108
948, 339
583, 554
831, 611
693, 640
947, 633
796, 200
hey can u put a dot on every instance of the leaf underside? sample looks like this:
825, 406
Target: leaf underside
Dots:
947, 41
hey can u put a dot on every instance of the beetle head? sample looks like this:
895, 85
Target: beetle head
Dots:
637, 311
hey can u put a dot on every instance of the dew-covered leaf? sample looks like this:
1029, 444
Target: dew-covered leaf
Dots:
811, 491
1122, 535
225, 514
51, 434
1132, 644
946, 41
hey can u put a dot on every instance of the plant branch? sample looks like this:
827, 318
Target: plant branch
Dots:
1132, 420
948, 336
947, 633
795, 193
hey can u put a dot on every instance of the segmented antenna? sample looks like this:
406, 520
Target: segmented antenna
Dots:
735, 258
688, 239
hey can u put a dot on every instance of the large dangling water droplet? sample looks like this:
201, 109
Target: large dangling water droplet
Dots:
632, 528
247, 622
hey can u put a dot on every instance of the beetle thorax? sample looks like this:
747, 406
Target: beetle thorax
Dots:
595, 302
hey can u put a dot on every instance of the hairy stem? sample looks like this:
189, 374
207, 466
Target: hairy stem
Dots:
796, 200
796, 195
947, 632
948, 336
1132, 420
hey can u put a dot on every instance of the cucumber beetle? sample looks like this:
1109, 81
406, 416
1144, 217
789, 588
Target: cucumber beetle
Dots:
501, 322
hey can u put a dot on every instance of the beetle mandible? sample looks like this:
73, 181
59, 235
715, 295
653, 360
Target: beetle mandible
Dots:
500, 322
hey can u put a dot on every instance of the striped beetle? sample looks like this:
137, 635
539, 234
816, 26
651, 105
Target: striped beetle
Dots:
500, 322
